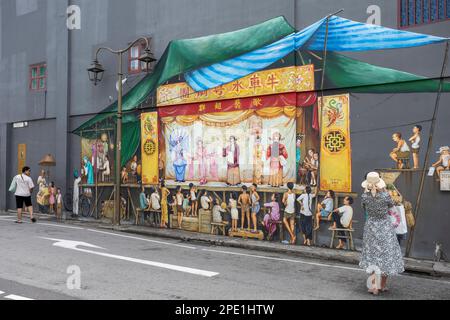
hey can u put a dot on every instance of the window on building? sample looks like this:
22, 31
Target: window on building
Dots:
38, 77
419, 12
134, 65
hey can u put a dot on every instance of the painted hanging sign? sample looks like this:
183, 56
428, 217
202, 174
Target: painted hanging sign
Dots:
335, 160
304, 99
150, 147
269, 82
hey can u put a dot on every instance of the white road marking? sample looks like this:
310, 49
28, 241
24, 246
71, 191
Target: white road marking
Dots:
1, 292
73, 245
142, 239
59, 226
19, 298
281, 259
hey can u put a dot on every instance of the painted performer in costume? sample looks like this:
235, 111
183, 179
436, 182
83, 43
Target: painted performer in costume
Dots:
232, 154
275, 153
88, 170
178, 144
201, 155
258, 164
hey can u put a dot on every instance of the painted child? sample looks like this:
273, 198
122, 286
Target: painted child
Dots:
52, 199
342, 219
289, 212
194, 199
59, 205
325, 209
244, 202
415, 145
179, 198
186, 206
256, 207
234, 212
271, 219
124, 175
164, 205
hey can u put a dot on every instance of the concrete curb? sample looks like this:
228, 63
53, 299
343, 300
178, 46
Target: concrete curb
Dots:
428, 267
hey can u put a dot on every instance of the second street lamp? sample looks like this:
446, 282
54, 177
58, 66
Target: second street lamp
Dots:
96, 71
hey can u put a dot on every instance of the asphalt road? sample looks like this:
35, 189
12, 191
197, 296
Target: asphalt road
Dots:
119, 266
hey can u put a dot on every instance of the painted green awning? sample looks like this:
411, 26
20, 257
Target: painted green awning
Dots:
184, 55
356, 76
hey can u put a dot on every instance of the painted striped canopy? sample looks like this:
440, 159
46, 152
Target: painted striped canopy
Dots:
343, 35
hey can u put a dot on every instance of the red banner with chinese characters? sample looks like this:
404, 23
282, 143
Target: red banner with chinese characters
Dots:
304, 99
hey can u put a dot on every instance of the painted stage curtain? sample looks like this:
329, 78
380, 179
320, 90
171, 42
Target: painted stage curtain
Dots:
228, 119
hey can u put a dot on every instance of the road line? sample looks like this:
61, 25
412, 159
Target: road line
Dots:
285, 260
59, 226
142, 239
73, 245
19, 298
1, 292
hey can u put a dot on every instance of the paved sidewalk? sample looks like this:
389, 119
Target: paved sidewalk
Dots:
439, 269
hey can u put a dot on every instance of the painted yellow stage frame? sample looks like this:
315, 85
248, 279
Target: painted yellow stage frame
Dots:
267, 82
150, 148
336, 151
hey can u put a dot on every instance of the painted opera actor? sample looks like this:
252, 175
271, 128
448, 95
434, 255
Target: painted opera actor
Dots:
277, 154
232, 154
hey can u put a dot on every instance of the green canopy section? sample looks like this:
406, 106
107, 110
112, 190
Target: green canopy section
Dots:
356, 76
189, 54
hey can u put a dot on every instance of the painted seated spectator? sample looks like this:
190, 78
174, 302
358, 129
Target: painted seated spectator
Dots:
402, 151
155, 200
217, 212
206, 201
325, 209
143, 201
444, 161
342, 219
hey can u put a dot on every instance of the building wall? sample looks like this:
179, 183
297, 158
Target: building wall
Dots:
34, 31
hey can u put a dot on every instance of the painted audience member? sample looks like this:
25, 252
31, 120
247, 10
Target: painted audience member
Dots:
164, 205
415, 145
444, 160
325, 209
289, 212
244, 201
402, 151
306, 213
273, 217
342, 219
206, 201
256, 206
234, 212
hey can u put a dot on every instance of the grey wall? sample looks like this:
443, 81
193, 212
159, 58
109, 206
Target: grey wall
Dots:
34, 31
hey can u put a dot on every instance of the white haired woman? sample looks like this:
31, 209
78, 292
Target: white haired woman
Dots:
381, 255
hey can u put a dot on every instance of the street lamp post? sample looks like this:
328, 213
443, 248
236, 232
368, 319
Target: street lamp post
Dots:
96, 71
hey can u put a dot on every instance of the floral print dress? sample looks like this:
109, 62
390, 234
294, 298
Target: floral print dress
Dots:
381, 251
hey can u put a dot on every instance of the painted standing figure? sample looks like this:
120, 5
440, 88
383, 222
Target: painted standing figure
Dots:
201, 156
415, 145
88, 171
258, 164
275, 153
232, 154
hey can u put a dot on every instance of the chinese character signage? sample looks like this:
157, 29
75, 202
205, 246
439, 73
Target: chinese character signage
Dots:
335, 160
269, 82
150, 146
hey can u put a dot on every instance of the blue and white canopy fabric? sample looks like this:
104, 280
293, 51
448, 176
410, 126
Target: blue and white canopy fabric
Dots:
343, 35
